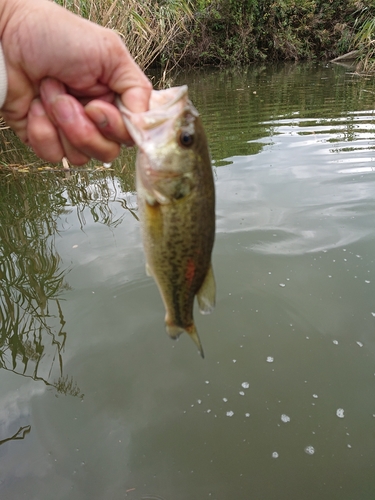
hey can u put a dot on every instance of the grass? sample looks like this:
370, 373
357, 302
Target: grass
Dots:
147, 27
364, 40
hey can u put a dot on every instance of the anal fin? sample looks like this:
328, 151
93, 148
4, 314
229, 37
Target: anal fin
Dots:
148, 270
207, 293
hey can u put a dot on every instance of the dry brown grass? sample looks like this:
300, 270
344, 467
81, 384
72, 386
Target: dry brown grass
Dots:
147, 27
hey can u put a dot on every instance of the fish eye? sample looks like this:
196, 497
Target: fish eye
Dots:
186, 139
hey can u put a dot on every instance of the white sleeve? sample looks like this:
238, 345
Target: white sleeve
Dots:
3, 78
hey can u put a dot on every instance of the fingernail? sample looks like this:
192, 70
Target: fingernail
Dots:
36, 108
50, 89
97, 116
63, 109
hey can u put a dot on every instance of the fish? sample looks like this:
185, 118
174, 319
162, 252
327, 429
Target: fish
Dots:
176, 204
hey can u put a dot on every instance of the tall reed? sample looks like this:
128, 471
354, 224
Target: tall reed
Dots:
146, 26
364, 40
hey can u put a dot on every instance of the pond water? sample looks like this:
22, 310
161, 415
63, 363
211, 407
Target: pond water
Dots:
96, 402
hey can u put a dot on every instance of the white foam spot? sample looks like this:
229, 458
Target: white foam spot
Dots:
285, 418
360, 344
282, 285
248, 415
241, 393
310, 450
230, 413
315, 396
245, 385
335, 342
340, 412
275, 454
225, 400
269, 359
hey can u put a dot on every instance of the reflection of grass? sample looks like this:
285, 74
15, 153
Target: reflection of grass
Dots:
19, 435
32, 325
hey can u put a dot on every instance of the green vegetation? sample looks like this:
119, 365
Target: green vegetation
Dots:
233, 32
364, 39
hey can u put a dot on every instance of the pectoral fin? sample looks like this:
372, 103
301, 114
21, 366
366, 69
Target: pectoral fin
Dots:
207, 293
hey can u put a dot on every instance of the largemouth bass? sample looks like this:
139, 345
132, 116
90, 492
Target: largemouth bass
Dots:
176, 199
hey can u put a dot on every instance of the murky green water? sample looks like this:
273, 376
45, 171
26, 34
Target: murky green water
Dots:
101, 404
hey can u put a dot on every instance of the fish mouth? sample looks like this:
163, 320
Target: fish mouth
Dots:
165, 107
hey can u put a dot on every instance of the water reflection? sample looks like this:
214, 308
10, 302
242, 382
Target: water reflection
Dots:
19, 435
32, 274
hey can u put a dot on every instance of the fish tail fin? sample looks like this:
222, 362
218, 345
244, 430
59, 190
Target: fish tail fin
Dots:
175, 331
192, 331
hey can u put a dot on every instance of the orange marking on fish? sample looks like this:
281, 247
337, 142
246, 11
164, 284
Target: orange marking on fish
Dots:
190, 271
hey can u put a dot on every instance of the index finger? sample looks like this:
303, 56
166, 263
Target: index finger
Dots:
129, 81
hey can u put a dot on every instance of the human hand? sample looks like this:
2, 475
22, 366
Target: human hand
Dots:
63, 75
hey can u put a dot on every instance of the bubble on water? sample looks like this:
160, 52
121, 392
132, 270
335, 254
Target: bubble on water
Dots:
225, 400
315, 396
199, 401
234, 360
207, 382
360, 344
335, 342
269, 359
275, 454
349, 445
367, 281
248, 415
329, 276
285, 418
282, 285
310, 450
340, 412
241, 393
208, 411
230, 413
373, 313
245, 385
